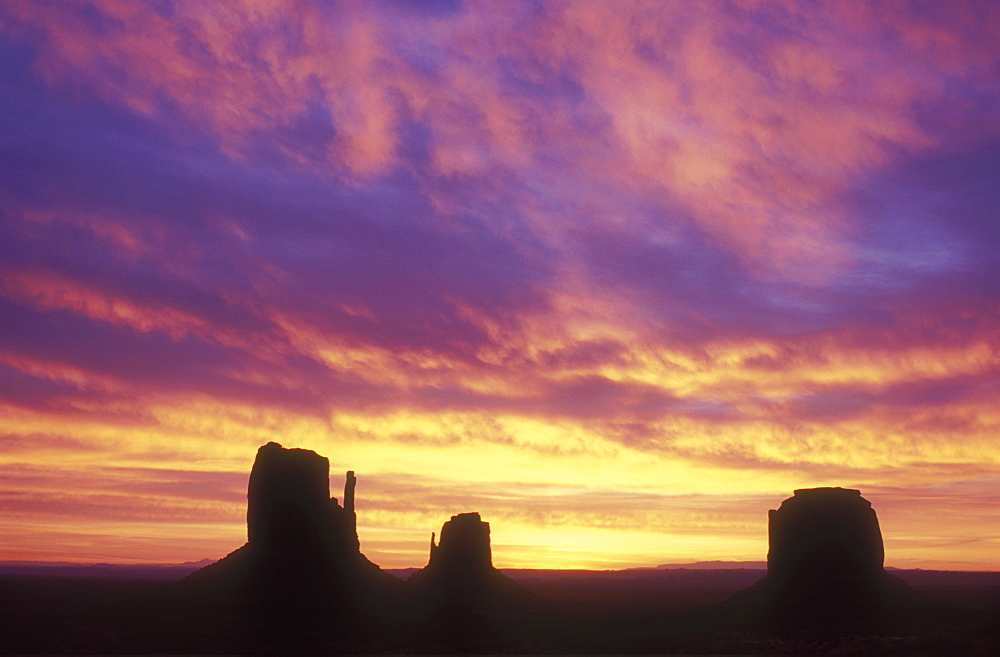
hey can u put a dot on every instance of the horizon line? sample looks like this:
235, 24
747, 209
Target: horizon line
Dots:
201, 563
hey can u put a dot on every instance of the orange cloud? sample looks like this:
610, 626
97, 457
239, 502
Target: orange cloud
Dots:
587, 268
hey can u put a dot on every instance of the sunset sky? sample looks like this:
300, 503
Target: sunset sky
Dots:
620, 276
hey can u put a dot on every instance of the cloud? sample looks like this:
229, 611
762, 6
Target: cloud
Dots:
744, 246
123, 494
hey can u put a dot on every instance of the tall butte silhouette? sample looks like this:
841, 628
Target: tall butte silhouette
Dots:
825, 568
300, 575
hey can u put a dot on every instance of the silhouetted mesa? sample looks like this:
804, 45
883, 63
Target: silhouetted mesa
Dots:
300, 537
301, 574
464, 545
460, 572
290, 513
825, 566
825, 558
826, 537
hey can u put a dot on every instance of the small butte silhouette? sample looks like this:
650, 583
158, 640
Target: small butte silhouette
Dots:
300, 584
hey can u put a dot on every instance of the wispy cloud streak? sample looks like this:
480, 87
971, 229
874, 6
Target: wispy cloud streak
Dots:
653, 249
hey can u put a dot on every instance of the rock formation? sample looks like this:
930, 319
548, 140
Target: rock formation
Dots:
825, 556
301, 575
464, 546
460, 572
824, 533
290, 513
300, 585
825, 566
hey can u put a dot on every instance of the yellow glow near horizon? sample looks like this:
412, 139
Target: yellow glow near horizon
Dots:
615, 279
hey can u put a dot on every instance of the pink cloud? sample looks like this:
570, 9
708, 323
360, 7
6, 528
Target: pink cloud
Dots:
753, 238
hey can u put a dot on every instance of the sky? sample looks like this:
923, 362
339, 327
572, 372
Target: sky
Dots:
620, 276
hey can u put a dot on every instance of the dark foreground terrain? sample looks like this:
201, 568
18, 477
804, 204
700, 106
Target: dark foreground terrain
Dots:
74, 610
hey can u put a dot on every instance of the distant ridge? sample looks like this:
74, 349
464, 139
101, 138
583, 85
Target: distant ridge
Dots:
113, 571
711, 565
